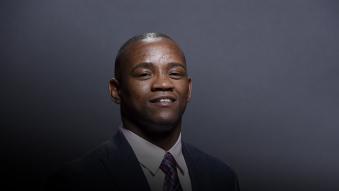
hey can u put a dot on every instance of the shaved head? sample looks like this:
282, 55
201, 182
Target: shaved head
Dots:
124, 48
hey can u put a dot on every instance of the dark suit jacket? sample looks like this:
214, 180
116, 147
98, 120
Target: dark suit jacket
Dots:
114, 166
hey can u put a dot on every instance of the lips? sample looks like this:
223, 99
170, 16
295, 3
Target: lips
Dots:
163, 100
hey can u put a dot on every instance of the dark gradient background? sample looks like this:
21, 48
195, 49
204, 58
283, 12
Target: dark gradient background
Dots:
265, 84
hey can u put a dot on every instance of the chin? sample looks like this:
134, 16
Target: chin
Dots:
166, 119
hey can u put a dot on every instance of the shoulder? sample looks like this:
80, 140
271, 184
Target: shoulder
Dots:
85, 171
213, 170
95, 159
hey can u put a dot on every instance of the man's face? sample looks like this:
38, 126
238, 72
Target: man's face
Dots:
154, 87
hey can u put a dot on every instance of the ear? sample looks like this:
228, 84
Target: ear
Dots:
189, 89
114, 90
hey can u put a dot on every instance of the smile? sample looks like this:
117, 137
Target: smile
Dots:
163, 101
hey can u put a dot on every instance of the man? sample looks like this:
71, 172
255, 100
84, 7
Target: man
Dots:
152, 86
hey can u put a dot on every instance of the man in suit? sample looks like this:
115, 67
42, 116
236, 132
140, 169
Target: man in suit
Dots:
152, 87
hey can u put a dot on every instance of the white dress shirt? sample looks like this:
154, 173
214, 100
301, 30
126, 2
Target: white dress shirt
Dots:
150, 157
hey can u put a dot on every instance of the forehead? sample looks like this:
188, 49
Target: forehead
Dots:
158, 50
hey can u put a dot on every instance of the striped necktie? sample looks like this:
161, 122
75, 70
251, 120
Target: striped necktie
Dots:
169, 167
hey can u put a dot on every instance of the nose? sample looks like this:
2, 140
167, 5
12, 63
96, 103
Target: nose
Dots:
162, 83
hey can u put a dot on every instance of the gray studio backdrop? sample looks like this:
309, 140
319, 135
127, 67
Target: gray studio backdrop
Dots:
265, 83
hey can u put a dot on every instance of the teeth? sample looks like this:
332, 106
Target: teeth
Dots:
165, 100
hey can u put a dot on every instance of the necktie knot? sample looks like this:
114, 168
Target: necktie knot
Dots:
168, 164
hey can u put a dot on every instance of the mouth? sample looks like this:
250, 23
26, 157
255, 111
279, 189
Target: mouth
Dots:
163, 100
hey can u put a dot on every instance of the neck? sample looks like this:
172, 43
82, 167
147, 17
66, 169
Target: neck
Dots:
163, 139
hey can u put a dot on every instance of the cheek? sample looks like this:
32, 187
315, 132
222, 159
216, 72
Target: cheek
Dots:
183, 90
138, 91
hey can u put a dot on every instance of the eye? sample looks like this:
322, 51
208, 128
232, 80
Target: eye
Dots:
141, 72
143, 75
177, 74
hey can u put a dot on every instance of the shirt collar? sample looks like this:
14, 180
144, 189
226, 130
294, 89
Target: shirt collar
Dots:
149, 155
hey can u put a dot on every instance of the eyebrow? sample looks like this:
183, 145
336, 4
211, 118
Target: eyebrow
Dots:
174, 64
143, 65
151, 65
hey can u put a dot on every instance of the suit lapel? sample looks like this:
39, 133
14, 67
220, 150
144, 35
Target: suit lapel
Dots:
125, 167
192, 167
127, 173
